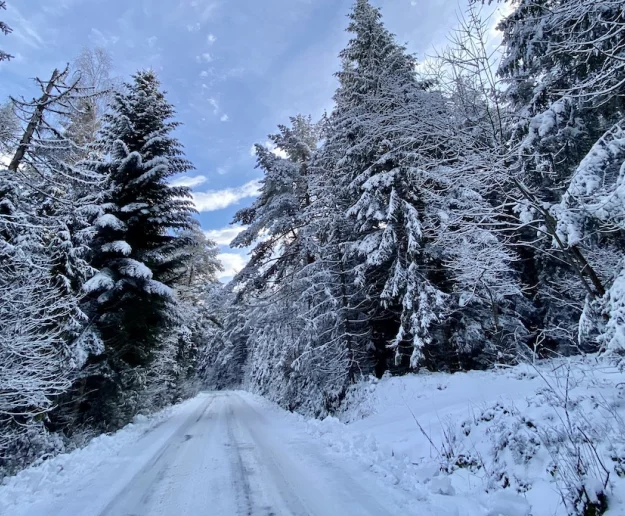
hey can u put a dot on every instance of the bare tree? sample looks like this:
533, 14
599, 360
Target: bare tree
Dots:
92, 68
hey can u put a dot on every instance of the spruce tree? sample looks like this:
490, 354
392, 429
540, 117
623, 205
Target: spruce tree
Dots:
139, 247
413, 215
274, 222
565, 90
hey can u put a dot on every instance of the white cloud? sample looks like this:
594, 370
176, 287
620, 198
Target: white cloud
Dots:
224, 118
152, 41
208, 11
277, 151
225, 235
204, 74
502, 11
210, 39
222, 171
233, 263
204, 58
195, 27
100, 39
213, 102
189, 181
214, 200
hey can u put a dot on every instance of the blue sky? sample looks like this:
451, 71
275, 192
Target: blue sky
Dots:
234, 69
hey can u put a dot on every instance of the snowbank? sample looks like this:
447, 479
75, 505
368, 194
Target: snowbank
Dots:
540, 441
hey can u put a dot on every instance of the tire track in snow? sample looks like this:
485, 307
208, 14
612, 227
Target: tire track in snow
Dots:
147, 470
241, 479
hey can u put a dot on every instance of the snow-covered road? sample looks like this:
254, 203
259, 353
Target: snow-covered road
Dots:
228, 454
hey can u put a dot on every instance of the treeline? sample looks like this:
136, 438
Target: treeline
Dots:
103, 267
451, 214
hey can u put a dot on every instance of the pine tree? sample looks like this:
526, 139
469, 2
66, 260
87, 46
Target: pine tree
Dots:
138, 247
415, 223
273, 223
61, 195
564, 88
202, 266
377, 83
36, 362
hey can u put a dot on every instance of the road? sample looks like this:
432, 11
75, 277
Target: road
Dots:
226, 454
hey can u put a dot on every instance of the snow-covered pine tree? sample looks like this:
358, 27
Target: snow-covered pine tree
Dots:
378, 85
202, 266
414, 212
36, 363
138, 247
42, 265
352, 143
274, 221
288, 352
474, 235
61, 195
565, 88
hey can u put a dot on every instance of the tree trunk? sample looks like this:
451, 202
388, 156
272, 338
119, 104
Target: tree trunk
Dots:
34, 122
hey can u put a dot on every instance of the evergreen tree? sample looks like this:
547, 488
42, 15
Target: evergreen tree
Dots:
415, 213
138, 247
37, 364
564, 88
274, 222
60, 194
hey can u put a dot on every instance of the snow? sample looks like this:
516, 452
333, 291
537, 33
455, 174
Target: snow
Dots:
490, 440
67, 478
119, 246
101, 281
110, 221
470, 444
227, 453
614, 335
158, 289
135, 269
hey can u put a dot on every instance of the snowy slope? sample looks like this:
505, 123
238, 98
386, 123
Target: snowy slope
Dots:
519, 441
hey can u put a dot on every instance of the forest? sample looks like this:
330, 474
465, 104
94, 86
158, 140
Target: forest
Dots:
456, 213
